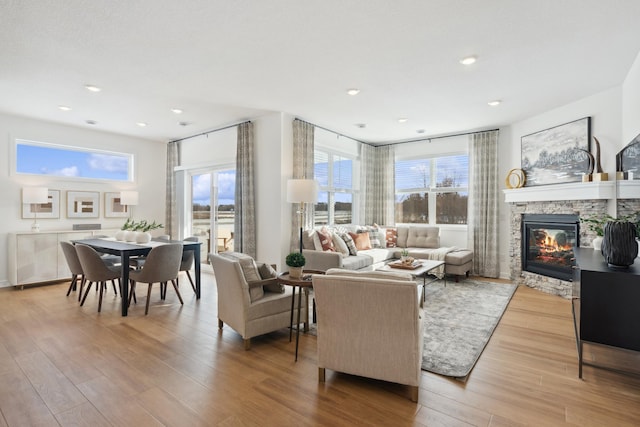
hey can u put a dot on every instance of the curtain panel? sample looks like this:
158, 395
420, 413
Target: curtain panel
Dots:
377, 184
245, 221
303, 146
483, 203
171, 225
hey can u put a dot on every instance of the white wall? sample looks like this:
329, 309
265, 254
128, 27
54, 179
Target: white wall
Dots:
150, 161
605, 109
631, 103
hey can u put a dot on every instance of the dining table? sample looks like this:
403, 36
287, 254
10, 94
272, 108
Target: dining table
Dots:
127, 250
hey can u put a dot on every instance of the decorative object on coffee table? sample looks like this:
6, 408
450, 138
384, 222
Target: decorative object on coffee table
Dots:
295, 261
619, 246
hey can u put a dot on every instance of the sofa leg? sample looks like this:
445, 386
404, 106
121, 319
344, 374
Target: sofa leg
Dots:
220, 324
247, 344
414, 393
457, 278
321, 375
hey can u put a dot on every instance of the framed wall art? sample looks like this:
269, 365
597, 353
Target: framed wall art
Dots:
113, 208
628, 159
51, 209
83, 204
556, 155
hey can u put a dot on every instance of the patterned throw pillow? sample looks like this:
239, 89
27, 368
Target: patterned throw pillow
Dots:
350, 243
326, 240
391, 237
375, 236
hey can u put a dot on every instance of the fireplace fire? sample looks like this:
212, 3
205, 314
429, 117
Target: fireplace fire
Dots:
547, 244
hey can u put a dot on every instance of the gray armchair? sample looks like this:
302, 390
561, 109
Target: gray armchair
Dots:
249, 302
383, 335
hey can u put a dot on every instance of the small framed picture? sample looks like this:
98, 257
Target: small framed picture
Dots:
113, 208
51, 209
83, 204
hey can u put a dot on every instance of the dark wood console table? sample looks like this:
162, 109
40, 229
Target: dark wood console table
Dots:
606, 303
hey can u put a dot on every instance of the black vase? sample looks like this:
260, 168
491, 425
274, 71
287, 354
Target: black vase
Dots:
619, 246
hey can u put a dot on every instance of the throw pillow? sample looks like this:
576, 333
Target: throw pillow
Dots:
340, 245
361, 240
348, 240
326, 240
307, 239
248, 265
391, 237
267, 272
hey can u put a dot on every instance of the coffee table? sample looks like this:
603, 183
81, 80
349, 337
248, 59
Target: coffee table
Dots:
423, 271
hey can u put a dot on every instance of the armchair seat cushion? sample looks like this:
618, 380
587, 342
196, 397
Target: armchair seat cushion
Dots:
270, 303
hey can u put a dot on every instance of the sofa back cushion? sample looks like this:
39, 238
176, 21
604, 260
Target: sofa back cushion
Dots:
423, 237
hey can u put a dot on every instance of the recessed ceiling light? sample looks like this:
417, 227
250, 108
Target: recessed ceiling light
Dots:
176, 110
184, 123
141, 124
361, 125
495, 102
92, 88
353, 92
90, 122
420, 131
64, 107
402, 120
468, 60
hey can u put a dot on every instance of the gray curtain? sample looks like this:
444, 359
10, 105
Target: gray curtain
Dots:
483, 202
171, 225
245, 223
377, 184
303, 135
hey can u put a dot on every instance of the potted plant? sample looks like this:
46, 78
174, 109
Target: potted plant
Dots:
595, 223
295, 261
142, 230
127, 226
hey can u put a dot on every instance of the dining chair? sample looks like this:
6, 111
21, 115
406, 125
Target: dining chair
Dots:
96, 271
187, 262
75, 267
162, 265
138, 262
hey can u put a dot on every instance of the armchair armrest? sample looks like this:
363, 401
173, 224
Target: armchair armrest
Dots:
318, 260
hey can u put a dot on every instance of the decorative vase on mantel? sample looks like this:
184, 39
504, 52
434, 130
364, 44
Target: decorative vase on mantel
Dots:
619, 246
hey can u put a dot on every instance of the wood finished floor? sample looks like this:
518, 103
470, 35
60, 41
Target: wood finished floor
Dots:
61, 364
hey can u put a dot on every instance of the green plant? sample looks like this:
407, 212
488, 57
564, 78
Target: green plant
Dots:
143, 225
128, 224
596, 223
148, 226
295, 259
404, 253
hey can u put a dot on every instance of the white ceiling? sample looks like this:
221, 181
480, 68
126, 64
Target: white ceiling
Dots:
228, 61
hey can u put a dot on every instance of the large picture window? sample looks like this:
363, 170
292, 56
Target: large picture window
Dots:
38, 158
334, 173
432, 190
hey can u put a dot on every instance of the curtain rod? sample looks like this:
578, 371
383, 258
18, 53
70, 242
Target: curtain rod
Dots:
208, 132
437, 137
401, 142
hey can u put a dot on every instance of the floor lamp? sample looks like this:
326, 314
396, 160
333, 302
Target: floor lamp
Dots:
302, 191
35, 196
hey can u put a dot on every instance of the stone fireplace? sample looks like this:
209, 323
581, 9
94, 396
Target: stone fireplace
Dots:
575, 199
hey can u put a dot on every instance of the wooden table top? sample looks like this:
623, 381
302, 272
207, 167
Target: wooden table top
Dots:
305, 283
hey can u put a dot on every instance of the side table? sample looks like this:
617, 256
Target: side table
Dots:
306, 283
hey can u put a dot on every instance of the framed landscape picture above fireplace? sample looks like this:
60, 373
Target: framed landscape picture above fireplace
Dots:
557, 155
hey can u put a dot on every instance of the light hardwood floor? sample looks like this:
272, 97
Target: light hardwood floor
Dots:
61, 364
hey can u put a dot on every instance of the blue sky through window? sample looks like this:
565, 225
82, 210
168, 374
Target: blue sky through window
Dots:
67, 162
226, 188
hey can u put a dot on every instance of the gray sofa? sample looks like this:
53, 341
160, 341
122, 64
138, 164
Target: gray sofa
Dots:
422, 242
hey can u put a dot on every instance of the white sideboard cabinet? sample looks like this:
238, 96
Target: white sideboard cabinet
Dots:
37, 257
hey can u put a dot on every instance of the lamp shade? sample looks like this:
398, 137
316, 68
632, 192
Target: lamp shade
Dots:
129, 198
302, 191
35, 195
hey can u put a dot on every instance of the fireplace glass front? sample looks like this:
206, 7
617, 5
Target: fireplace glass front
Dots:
547, 244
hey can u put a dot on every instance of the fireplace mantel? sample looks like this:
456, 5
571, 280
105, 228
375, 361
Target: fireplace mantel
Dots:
575, 191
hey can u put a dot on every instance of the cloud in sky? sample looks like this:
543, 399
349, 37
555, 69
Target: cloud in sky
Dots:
201, 189
68, 171
108, 162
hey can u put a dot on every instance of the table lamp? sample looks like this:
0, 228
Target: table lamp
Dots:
35, 196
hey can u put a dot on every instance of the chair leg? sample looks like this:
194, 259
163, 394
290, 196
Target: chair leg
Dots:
72, 285
193, 286
82, 282
146, 309
113, 283
413, 393
175, 286
163, 290
220, 324
321, 375
247, 344
86, 293
132, 292
103, 285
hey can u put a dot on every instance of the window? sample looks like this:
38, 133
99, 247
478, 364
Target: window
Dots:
432, 190
72, 162
334, 173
